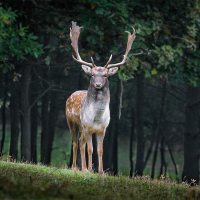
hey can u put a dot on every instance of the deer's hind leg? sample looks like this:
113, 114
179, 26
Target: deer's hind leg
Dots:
74, 133
82, 143
75, 147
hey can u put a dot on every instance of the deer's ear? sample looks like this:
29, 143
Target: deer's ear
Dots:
87, 69
112, 71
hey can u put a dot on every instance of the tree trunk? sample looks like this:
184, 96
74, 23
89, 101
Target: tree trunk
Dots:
162, 103
108, 145
115, 149
14, 120
191, 135
162, 154
171, 155
152, 143
108, 142
25, 114
116, 123
139, 125
34, 118
3, 117
131, 142
45, 119
53, 115
34, 128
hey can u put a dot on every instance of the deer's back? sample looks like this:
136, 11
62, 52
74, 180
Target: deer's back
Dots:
73, 106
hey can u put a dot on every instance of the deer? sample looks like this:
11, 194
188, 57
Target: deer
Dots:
88, 111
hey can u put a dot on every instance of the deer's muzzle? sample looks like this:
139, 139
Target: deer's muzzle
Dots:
98, 85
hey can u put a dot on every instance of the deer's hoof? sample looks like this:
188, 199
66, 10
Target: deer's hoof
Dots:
85, 170
91, 170
101, 173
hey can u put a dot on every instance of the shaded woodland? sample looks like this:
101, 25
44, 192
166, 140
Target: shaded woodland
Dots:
155, 97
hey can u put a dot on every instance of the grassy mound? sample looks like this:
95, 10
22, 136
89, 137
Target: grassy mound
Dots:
25, 181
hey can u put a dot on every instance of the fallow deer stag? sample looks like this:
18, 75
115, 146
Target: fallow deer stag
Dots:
88, 111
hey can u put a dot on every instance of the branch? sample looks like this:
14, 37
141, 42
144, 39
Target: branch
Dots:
136, 54
40, 77
152, 112
36, 100
173, 95
177, 90
176, 171
64, 91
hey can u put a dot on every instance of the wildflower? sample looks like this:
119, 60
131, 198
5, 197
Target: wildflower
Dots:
162, 176
193, 181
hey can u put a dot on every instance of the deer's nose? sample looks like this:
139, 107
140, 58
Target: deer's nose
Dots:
98, 85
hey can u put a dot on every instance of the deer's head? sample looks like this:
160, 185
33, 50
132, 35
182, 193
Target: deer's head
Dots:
99, 74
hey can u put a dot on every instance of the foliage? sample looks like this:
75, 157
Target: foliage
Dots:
25, 181
15, 40
166, 31
169, 31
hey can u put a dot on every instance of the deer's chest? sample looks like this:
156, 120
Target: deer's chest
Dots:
96, 115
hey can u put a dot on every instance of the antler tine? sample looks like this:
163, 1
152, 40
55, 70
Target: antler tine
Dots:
74, 35
93, 65
128, 48
108, 61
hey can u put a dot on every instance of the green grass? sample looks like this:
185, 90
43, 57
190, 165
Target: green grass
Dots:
25, 181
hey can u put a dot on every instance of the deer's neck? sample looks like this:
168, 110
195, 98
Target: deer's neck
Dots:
95, 107
98, 96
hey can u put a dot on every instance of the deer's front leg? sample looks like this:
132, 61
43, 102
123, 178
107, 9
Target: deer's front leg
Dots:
100, 151
88, 138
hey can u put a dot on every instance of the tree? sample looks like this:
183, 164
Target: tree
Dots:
173, 52
15, 44
191, 135
139, 125
14, 119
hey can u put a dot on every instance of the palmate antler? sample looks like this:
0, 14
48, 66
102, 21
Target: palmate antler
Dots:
128, 48
74, 35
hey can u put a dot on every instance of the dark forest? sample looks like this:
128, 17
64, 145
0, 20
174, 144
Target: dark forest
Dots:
154, 96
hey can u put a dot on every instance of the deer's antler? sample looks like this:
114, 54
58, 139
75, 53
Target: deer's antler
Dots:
74, 35
128, 48
108, 61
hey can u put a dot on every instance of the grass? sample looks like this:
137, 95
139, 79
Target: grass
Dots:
62, 150
26, 181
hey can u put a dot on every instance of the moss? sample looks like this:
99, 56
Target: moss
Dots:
26, 181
